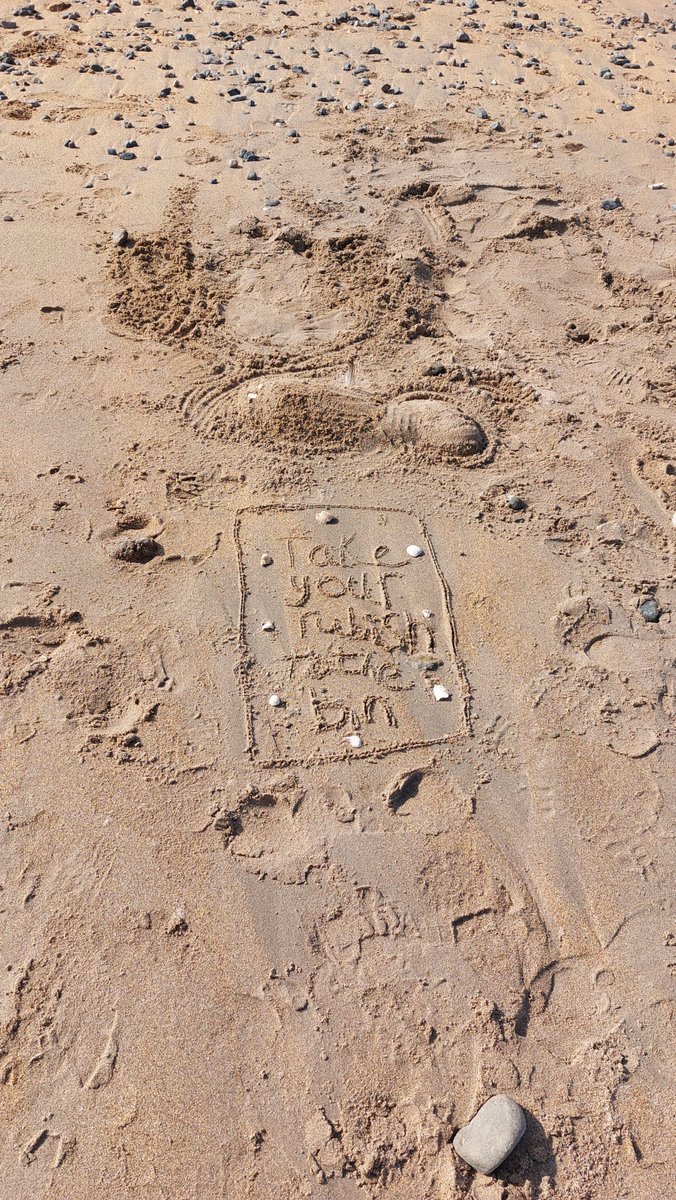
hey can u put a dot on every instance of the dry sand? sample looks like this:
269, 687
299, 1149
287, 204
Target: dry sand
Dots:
244, 957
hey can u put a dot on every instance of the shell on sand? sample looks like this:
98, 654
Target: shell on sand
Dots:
434, 424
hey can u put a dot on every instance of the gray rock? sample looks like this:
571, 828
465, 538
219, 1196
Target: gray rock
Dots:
650, 611
119, 237
516, 503
491, 1135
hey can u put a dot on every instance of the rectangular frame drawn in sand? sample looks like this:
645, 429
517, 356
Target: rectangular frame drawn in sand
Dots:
361, 633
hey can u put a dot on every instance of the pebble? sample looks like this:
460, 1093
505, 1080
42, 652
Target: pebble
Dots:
650, 610
414, 551
325, 517
515, 502
491, 1135
266, 560
440, 692
268, 626
355, 740
427, 613
274, 701
119, 237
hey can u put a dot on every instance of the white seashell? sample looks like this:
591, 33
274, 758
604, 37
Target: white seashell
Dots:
427, 613
414, 551
355, 740
274, 701
268, 626
252, 396
440, 692
325, 518
266, 560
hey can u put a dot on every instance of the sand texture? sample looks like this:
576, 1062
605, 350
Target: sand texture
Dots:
287, 291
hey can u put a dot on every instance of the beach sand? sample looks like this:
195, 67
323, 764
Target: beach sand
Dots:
287, 291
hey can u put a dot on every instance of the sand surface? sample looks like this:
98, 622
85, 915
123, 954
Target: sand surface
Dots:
254, 951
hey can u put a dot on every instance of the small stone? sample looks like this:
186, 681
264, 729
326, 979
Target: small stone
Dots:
355, 740
119, 237
610, 205
325, 517
414, 551
266, 560
515, 502
268, 626
491, 1135
650, 610
427, 613
274, 701
440, 692
233, 164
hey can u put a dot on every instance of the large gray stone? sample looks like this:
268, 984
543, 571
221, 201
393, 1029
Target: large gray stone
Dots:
491, 1135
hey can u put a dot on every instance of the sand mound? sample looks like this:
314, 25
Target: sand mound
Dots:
163, 287
166, 292
435, 426
313, 416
